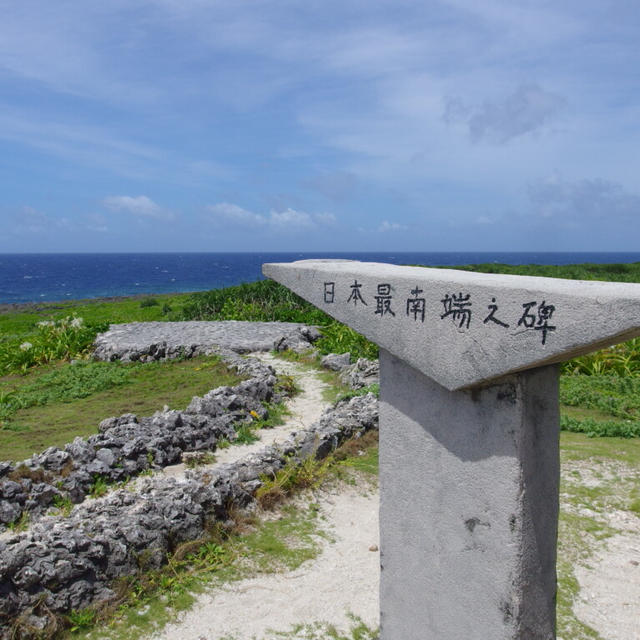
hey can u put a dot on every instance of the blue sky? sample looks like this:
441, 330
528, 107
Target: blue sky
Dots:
205, 125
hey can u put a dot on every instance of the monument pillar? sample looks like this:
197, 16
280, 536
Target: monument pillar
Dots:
469, 432
468, 506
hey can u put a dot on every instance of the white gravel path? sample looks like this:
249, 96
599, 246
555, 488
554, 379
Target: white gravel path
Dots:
305, 409
609, 598
344, 577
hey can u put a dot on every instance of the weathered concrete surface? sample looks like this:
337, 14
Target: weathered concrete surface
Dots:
463, 329
469, 505
159, 340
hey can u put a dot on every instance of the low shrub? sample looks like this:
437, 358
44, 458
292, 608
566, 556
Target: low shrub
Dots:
620, 360
54, 340
601, 428
615, 396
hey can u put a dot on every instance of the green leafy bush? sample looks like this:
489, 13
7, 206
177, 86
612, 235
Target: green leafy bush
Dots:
620, 360
600, 428
615, 396
54, 340
339, 338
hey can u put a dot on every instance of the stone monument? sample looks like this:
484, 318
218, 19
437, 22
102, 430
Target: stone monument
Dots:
469, 427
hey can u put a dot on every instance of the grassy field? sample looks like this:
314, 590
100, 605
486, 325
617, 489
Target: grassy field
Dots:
53, 404
599, 392
49, 402
45, 400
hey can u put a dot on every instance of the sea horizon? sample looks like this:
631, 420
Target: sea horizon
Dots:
53, 277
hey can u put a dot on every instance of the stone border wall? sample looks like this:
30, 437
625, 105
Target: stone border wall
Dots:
127, 445
65, 563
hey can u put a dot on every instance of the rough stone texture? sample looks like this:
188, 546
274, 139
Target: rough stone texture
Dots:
127, 445
361, 374
469, 504
65, 563
146, 341
336, 361
459, 341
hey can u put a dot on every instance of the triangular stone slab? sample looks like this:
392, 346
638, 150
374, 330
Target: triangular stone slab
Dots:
464, 329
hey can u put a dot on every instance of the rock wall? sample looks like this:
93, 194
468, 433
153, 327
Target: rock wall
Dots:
65, 563
127, 445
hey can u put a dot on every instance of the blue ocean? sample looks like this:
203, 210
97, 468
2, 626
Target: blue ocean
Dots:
53, 277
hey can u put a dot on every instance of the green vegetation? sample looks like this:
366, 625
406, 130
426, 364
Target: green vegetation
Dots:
324, 631
62, 506
41, 398
21, 323
99, 487
264, 300
620, 360
601, 405
199, 459
21, 523
52, 405
54, 402
149, 302
359, 454
267, 300
585, 271
147, 601
53, 340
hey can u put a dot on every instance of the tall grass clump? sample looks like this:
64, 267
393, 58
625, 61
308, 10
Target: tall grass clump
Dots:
620, 360
54, 340
264, 300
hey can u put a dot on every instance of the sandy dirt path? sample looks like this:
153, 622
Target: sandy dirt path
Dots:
343, 578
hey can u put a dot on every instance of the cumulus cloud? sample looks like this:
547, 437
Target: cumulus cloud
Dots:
528, 109
386, 226
234, 213
140, 206
289, 219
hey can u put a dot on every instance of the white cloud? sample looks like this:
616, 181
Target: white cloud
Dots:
288, 220
140, 206
291, 219
386, 226
325, 219
234, 213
